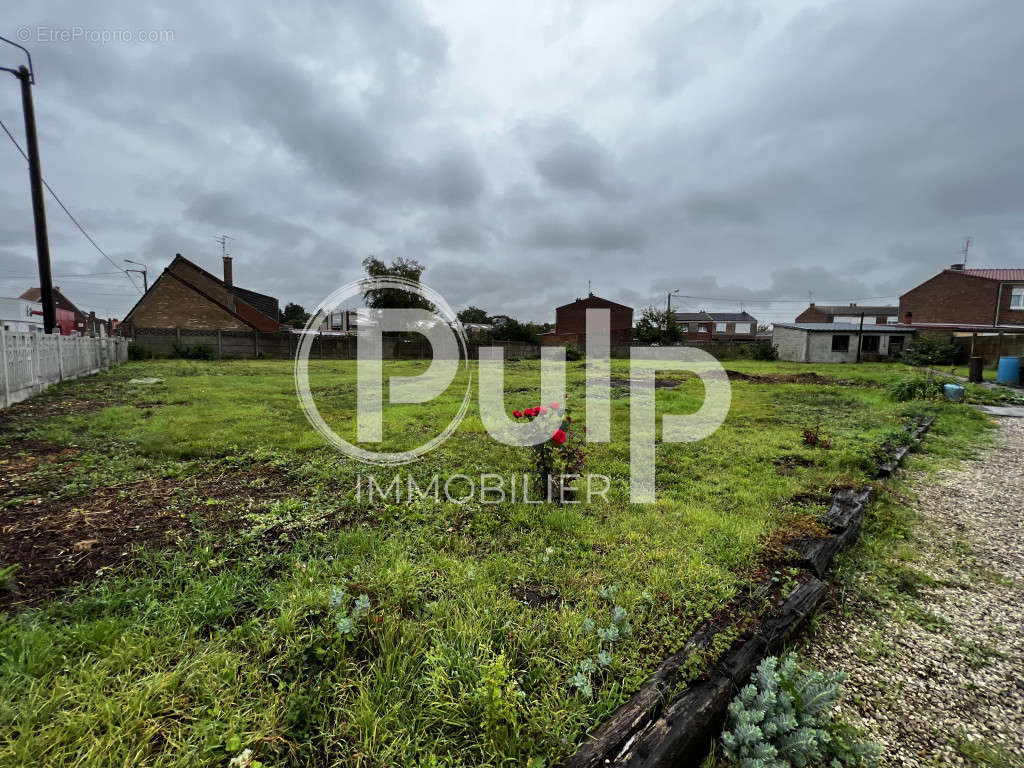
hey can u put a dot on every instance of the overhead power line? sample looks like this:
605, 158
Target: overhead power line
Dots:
69, 214
62, 277
784, 300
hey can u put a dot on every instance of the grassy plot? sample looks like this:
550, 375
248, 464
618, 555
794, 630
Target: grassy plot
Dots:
291, 615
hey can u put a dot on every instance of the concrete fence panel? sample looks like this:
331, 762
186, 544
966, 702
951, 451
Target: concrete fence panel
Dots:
31, 361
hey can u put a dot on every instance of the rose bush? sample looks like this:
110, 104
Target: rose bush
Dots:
559, 458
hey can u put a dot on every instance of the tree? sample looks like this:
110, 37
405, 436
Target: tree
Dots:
509, 329
392, 298
294, 315
473, 314
657, 326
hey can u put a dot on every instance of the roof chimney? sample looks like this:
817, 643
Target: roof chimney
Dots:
957, 267
227, 271
812, 303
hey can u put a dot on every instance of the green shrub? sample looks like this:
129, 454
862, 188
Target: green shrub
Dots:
197, 352
782, 719
917, 388
572, 352
928, 350
138, 352
762, 349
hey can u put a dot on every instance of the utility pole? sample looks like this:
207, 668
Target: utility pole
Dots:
27, 78
860, 336
144, 272
668, 304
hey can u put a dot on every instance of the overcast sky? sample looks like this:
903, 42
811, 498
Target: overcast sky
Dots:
737, 151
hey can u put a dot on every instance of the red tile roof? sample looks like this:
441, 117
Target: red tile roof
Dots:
997, 274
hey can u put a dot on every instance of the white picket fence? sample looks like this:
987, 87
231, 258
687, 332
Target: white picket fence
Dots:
32, 361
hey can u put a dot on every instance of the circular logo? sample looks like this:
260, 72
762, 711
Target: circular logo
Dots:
311, 331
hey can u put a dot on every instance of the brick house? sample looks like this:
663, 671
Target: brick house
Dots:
65, 309
848, 313
717, 326
960, 299
571, 322
187, 296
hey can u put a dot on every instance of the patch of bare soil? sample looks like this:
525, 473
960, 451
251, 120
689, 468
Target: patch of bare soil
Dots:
535, 596
56, 543
38, 407
785, 378
19, 462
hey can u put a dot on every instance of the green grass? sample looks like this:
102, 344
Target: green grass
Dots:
229, 642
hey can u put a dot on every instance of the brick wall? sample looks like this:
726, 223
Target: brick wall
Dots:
953, 298
1009, 316
572, 319
170, 304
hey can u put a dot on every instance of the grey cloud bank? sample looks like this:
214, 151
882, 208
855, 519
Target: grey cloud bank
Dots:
735, 151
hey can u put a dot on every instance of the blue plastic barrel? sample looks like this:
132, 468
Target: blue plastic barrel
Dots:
1009, 370
953, 392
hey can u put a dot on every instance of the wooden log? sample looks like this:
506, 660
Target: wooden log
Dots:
681, 735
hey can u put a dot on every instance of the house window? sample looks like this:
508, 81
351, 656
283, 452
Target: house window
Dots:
895, 345
1017, 297
871, 343
742, 327
702, 328
719, 327
841, 343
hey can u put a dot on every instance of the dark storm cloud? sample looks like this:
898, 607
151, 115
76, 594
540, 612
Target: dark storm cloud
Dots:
737, 151
569, 159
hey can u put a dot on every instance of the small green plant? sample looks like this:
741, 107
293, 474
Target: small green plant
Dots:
348, 623
782, 718
572, 353
917, 388
7, 581
617, 630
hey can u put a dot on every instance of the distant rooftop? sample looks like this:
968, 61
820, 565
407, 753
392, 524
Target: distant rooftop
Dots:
855, 309
846, 327
1011, 273
722, 317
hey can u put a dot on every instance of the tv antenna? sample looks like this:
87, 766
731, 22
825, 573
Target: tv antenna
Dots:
967, 245
223, 240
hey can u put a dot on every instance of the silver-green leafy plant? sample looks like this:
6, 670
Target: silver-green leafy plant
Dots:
348, 624
782, 719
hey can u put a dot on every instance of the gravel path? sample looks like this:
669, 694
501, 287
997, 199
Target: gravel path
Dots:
939, 679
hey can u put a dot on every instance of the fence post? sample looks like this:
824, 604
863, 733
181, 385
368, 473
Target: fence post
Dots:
177, 336
255, 344
220, 345
60, 359
35, 359
3, 365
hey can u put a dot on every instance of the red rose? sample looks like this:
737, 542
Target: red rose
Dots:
559, 437
555, 406
517, 414
540, 409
